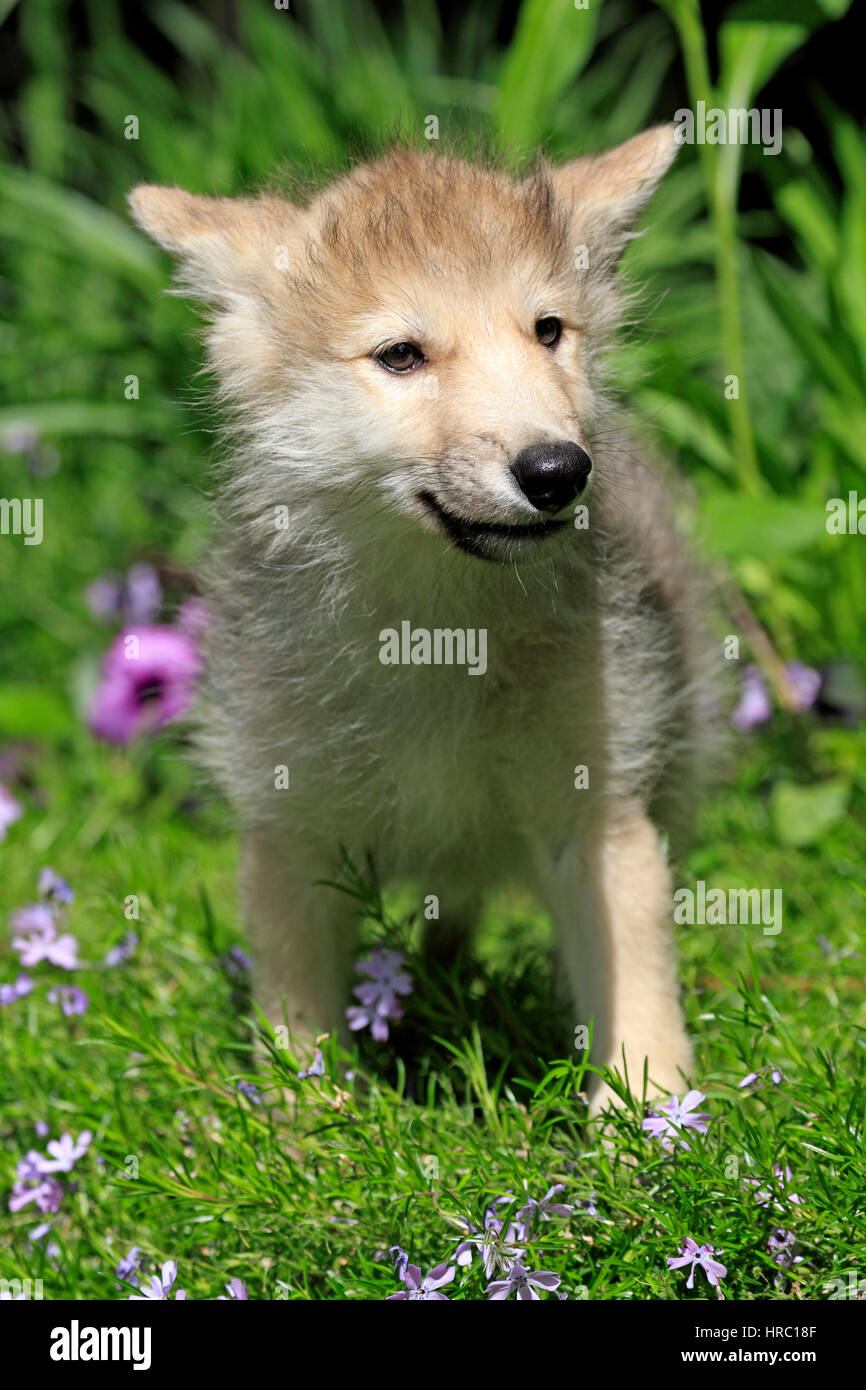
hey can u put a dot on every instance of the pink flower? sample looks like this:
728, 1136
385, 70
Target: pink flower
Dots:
149, 676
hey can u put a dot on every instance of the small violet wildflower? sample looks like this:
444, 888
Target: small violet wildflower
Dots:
523, 1283
51, 885
10, 992
775, 1194
316, 1067
696, 1255
71, 999
667, 1122
116, 955
237, 1292
38, 939
418, 1287
543, 1209
127, 1268
161, 1284
378, 996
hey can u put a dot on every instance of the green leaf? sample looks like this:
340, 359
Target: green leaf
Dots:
803, 815
28, 710
756, 38
733, 525
551, 45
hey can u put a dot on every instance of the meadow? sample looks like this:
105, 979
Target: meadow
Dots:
442, 1143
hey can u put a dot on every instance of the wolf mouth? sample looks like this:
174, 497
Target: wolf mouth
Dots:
486, 538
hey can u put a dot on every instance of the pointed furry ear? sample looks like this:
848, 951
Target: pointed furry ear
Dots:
227, 246
182, 221
616, 186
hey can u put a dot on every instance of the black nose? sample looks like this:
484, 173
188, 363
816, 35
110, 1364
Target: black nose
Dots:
551, 475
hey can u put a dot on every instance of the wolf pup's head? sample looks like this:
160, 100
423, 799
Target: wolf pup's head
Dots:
423, 332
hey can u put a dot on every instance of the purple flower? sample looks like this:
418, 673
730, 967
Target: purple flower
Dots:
149, 676
693, 1255
9, 993
161, 1285
316, 1068
247, 1089
668, 1125
135, 600
416, 1287
127, 1268
753, 1076
780, 1245
498, 1245
51, 885
40, 940
543, 1209
39, 1233
116, 955
755, 706
71, 999
523, 1283
399, 1260
775, 1194
10, 810
65, 1152
806, 684
237, 1292
45, 1192
236, 963
378, 996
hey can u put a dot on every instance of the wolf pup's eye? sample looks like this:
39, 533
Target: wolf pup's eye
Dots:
402, 357
548, 331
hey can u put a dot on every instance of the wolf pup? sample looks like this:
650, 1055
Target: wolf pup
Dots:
451, 622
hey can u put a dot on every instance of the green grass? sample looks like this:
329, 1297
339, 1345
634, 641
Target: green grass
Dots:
470, 1098
476, 1094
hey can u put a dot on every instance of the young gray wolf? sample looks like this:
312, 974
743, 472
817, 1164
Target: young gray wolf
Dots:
452, 624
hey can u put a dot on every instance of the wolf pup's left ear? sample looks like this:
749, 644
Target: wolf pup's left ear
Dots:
606, 193
225, 246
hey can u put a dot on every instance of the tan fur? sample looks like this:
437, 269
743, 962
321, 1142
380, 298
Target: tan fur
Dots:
596, 656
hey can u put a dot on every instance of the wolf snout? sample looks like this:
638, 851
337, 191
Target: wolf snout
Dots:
552, 475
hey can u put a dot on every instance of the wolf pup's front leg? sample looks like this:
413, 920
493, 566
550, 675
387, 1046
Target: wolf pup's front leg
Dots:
611, 900
302, 937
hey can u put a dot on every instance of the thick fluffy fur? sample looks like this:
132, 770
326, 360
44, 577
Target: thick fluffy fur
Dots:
594, 654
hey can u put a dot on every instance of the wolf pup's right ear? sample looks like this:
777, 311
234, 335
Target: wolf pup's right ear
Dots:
226, 246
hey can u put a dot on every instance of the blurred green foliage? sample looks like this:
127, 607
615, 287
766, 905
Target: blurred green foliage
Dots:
84, 307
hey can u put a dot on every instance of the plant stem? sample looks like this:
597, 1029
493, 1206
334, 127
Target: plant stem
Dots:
721, 183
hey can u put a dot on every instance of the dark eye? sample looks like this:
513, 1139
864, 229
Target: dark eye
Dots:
548, 331
402, 357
